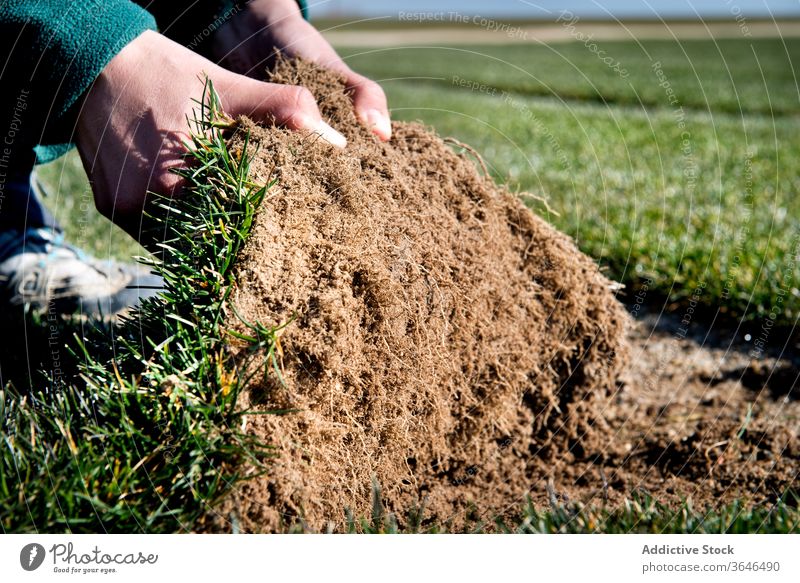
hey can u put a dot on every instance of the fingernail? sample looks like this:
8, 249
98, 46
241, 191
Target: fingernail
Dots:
330, 135
378, 123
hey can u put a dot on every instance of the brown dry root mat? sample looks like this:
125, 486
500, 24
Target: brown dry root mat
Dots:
450, 345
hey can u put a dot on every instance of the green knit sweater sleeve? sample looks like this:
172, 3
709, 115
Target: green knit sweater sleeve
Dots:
53, 50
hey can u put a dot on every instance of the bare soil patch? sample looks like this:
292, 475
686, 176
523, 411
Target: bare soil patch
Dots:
694, 417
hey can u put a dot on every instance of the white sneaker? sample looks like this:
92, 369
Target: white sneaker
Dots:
40, 271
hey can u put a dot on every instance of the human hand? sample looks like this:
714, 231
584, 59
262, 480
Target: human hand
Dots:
246, 42
132, 124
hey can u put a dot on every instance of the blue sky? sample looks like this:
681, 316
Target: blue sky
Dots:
547, 9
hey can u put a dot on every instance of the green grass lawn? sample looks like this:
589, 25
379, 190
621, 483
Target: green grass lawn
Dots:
726, 75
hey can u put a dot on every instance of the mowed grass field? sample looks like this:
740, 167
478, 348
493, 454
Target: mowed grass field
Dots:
675, 164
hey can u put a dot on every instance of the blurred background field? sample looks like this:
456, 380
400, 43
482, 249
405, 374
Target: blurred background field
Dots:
674, 162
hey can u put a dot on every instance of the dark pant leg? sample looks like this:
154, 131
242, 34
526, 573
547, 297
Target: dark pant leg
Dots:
21, 206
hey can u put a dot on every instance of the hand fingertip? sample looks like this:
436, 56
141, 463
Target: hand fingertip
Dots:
378, 122
330, 135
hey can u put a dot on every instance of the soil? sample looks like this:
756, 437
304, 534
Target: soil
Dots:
449, 345
696, 416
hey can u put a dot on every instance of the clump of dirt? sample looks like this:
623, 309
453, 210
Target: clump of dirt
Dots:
441, 335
